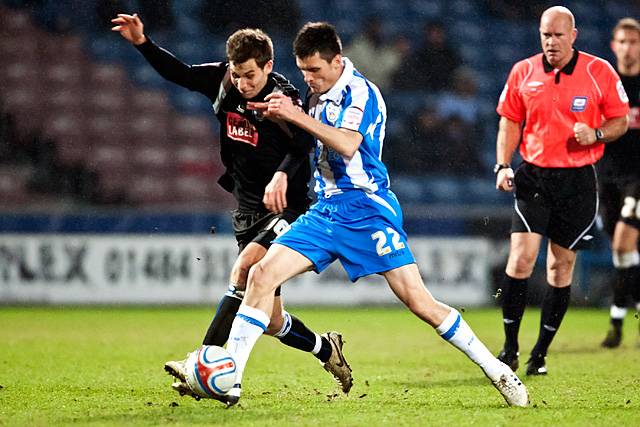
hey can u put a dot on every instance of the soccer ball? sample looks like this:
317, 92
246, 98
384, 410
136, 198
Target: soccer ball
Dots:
210, 371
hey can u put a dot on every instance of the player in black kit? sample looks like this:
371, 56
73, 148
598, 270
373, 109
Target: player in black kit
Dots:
267, 171
619, 172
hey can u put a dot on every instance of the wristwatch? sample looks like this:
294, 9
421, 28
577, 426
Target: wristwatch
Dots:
599, 134
499, 166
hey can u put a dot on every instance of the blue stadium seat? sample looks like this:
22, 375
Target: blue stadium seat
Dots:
190, 102
145, 75
467, 31
426, 9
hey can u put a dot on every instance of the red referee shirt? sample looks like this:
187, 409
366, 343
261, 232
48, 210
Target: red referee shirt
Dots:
550, 102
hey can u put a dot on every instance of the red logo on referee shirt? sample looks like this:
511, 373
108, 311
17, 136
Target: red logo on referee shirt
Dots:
241, 129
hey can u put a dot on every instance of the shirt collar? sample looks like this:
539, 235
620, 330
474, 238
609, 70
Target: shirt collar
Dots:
335, 93
567, 69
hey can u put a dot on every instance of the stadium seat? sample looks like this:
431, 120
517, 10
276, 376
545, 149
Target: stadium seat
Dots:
24, 103
13, 185
149, 126
13, 21
20, 76
109, 48
198, 159
65, 75
110, 158
61, 49
204, 190
190, 102
64, 101
154, 102
145, 75
108, 128
150, 189
427, 9
153, 157
104, 101
19, 48
107, 76
190, 126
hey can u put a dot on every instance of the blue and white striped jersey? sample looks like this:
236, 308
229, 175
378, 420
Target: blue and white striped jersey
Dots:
352, 103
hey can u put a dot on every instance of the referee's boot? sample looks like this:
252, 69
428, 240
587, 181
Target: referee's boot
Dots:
613, 338
509, 358
337, 364
536, 365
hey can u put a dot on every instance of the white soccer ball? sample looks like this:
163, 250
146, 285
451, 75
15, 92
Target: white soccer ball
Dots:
210, 371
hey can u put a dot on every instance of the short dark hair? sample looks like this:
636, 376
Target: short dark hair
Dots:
320, 37
626, 24
249, 43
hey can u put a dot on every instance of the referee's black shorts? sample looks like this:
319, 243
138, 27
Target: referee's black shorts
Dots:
620, 201
559, 203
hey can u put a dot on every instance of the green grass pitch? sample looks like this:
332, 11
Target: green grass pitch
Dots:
103, 366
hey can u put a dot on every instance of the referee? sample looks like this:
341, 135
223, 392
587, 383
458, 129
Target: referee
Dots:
561, 106
619, 172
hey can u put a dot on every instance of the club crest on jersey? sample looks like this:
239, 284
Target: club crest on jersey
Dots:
579, 104
332, 111
241, 129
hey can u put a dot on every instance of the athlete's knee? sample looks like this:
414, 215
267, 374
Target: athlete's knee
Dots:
260, 279
560, 272
520, 265
240, 272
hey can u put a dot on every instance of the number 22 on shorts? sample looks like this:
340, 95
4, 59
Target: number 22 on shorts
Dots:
381, 241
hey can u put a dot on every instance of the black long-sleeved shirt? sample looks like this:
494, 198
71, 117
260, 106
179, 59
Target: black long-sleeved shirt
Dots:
252, 148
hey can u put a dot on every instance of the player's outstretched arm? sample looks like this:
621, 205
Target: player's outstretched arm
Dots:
344, 141
200, 78
130, 27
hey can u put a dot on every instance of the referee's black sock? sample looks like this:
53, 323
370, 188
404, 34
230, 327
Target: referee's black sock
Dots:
295, 334
218, 332
554, 306
514, 301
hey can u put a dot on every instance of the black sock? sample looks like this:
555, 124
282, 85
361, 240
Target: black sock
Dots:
554, 306
616, 324
632, 282
514, 301
620, 287
620, 291
302, 338
218, 332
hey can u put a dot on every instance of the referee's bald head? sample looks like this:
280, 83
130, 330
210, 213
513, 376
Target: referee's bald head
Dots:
559, 11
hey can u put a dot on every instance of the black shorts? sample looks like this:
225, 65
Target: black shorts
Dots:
260, 227
559, 203
620, 201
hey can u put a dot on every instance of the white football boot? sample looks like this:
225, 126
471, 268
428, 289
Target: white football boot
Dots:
512, 389
178, 368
